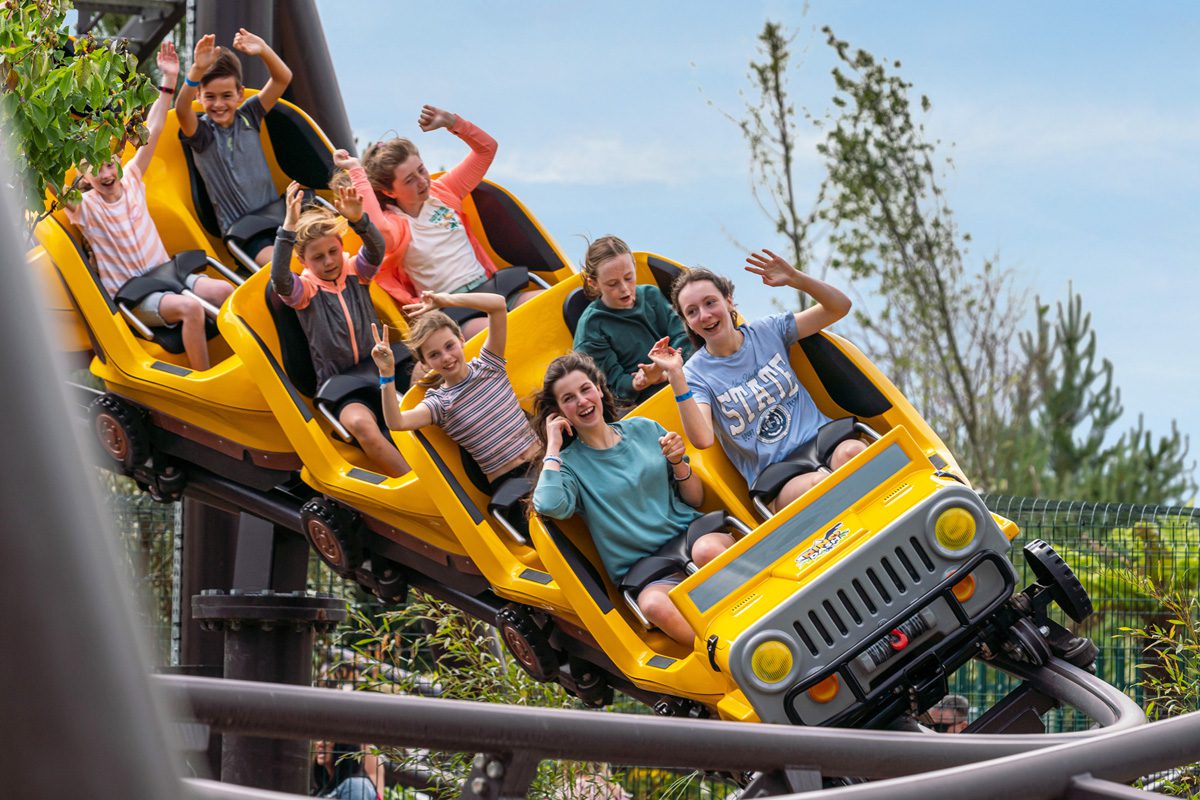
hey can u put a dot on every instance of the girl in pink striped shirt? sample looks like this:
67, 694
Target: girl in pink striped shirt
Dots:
114, 218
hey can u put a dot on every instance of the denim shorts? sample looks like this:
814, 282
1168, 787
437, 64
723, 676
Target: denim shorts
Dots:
147, 310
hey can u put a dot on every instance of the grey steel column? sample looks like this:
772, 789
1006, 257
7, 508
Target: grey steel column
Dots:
223, 18
80, 718
268, 638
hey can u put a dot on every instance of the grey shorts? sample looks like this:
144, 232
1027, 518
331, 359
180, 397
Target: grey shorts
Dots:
147, 310
674, 579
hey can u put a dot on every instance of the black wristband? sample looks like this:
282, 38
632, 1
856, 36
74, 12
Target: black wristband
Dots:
166, 89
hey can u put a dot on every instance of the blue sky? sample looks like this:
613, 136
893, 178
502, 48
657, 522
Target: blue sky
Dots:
1075, 131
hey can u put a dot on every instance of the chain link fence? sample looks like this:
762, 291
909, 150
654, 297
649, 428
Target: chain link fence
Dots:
1110, 546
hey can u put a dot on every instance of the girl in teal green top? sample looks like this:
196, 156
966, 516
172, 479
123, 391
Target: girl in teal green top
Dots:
621, 477
624, 321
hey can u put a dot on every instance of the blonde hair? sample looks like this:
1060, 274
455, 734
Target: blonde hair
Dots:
315, 223
598, 252
340, 180
380, 162
427, 325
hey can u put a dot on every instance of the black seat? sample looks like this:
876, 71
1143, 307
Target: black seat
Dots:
301, 153
809, 457
267, 218
664, 273
507, 503
573, 308
296, 358
168, 277
675, 556
511, 234
508, 283
364, 376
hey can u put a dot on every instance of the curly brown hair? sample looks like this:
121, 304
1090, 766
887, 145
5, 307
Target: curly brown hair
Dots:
544, 403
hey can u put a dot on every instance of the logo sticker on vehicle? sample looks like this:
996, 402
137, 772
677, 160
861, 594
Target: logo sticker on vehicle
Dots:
832, 538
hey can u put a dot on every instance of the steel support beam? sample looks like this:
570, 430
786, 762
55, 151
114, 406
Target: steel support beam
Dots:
80, 717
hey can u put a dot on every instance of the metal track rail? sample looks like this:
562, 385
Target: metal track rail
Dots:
292, 712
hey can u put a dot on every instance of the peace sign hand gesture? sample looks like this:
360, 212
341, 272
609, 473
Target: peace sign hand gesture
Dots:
382, 352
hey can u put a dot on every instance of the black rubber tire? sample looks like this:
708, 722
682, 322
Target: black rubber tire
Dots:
527, 643
1051, 571
332, 530
121, 431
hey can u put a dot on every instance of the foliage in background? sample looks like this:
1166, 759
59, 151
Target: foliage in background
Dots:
428, 643
1063, 421
1171, 674
1024, 412
63, 102
770, 131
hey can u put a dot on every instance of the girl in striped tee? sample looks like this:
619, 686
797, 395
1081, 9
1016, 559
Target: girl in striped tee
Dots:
472, 401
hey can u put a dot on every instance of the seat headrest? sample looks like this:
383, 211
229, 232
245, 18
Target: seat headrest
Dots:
573, 308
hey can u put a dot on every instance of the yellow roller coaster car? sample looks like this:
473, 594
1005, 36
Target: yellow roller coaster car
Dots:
849, 607
157, 409
385, 530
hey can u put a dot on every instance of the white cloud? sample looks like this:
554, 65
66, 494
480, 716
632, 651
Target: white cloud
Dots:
1052, 133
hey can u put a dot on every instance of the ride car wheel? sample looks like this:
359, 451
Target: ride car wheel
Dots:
527, 643
121, 431
332, 530
1051, 571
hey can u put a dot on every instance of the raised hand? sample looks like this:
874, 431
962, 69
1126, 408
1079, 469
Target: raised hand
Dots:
429, 301
433, 118
773, 269
249, 43
168, 63
349, 203
382, 352
343, 160
672, 447
665, 357
205, 52
556, 428
293, 200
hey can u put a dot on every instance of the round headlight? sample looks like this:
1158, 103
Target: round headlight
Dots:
955, 528
771, 661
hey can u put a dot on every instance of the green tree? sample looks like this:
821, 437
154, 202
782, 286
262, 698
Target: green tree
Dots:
942, 331
769, 128
1073, 407
1025, 412
63, 102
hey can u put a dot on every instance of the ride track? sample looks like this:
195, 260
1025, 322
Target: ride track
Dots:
180, 435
